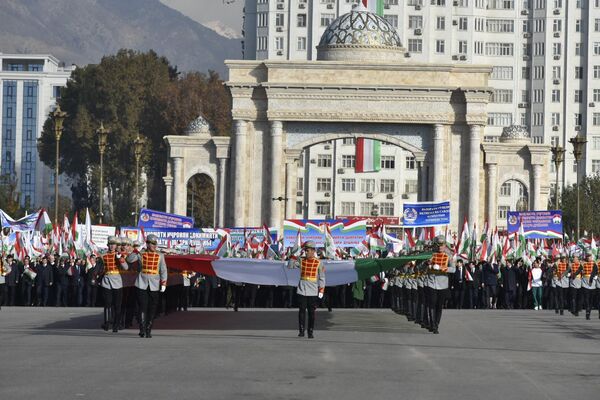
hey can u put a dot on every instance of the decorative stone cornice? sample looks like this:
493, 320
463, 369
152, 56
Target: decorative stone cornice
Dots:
222, 145
345, 116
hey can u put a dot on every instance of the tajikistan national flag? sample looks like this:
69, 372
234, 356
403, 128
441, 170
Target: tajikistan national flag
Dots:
368, 155
375, 6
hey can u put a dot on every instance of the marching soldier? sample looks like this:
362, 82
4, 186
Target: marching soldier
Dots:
128, 277
575, 286
561, 283
310, 287
441, 265
112, 284
152, 277
588, 284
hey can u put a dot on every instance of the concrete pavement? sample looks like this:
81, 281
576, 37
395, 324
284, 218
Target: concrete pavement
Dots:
61, 353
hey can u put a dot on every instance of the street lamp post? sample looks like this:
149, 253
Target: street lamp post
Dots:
138, 147
59, 117
578, 143
558, 154
102, 139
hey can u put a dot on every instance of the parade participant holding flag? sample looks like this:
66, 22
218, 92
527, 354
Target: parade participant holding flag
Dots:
112, 284
151, 278
310, 287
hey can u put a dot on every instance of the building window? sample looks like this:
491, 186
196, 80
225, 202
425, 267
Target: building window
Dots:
578, 96
261, 43
505, 189
503, 212
555, 118
323, 184
367, 185
366, 208
348, 185
387, 186
301, 21
578, 72
578, 47
557, 25
29, 135
556, 72
596, 95
301, 43
391, 19
538, 96
596, 48
596, 71
388, 162
300, 183
502, 96
462, 47
538, 72
348, 208
440, 46
327, 19
415, 22
555, 96
410, 186
299, 208
596, 142
440, 23
386, 209
349, 141
279, 43
323, 207
538, 119
556, 49
595, 166
263, 19
280, 19
410, 163
500, 25
498, 49
348, 161
499, 119
462, 24
525, 72
324, 160
415, 45
502, 73
578, 118
596, 119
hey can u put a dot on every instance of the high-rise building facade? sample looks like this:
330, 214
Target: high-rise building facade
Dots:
30, 85
545, 56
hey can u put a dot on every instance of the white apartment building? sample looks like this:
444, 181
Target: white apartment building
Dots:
30, 86
545, 56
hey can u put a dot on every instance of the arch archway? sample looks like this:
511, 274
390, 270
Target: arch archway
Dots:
513, 195
200, 203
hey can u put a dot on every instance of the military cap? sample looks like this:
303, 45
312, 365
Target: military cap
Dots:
113, 240
309, 244
152, 239
439, 240
125, 241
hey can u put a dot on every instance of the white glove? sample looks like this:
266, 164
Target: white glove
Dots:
436, 267
320, 295
163, 288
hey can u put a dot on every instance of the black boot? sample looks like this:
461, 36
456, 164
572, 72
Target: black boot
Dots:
310, 334
587, 315
149, 330
141, 324
105, 324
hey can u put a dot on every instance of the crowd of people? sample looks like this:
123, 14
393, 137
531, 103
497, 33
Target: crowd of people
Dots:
557, 284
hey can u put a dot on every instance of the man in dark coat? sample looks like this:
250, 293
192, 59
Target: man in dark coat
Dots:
509, 284
459, 285
12, 280
490, 281
44, 281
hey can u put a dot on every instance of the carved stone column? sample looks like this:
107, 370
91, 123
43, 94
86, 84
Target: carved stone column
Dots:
438, 162
536, 186
474, 161
178, 189
168, 180
276, 156
239, 172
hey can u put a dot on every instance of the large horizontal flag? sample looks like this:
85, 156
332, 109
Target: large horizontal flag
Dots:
274, 272
374, 6
368, 155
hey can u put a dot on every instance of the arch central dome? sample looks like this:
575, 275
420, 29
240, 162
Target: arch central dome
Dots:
360, 35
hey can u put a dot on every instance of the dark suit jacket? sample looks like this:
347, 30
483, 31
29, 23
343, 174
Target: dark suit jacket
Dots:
509, 278
44, 275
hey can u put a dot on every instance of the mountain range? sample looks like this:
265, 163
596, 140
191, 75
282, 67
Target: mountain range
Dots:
82, 31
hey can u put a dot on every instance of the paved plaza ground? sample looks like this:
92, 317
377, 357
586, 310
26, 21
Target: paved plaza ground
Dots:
60, 353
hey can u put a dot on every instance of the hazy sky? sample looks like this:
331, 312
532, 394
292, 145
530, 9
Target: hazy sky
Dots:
211, 10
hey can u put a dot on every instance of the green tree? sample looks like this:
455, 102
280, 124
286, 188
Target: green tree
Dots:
131, 93
589, 206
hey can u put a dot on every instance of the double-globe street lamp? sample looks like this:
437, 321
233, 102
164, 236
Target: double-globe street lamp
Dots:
558, 156
59, 117
578, 143
138, 148
102, 140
